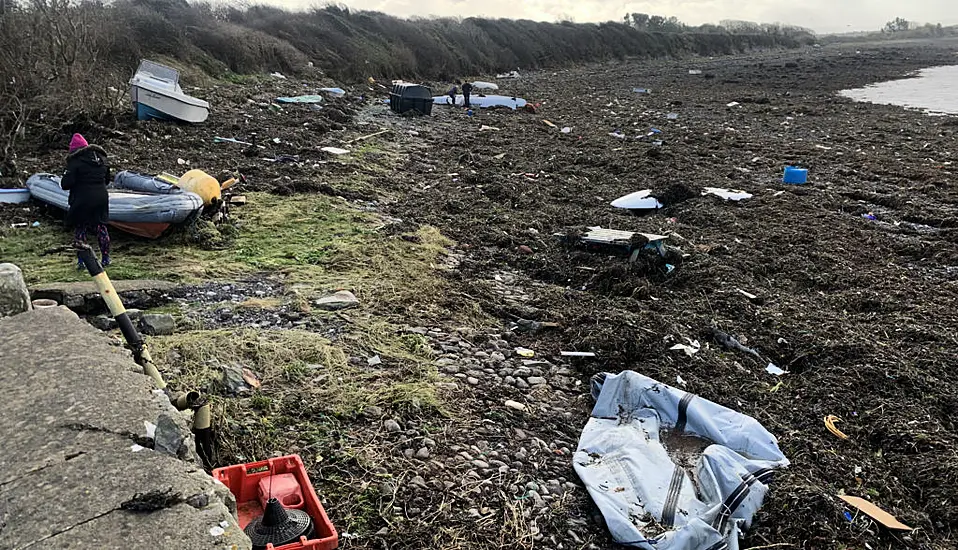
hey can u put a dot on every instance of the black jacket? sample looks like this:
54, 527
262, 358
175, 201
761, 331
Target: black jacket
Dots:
86, 178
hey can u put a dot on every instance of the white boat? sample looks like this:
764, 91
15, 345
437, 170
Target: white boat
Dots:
484, 101
156, 93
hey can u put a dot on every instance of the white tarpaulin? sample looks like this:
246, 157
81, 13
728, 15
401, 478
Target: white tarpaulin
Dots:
484, 101
646, 499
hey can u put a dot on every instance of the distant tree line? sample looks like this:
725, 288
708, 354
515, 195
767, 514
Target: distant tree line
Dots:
659, 23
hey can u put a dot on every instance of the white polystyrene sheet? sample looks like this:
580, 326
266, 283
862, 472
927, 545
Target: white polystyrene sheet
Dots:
485, 86
640, 200
635, 484
484, 101
727, 194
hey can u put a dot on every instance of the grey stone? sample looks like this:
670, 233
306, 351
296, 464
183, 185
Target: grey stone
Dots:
14, 296
134, 314
418, 481
428, 442
174, 437
408, 453
232, 380
472, 380
372, 411
480, 464
391, 426
509, 380
343, 299
157, 324
422, 453
536, 380
520, 383
103, 322
72, 417
83, 297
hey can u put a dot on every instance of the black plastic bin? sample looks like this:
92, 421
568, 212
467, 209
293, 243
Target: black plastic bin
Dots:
409, 98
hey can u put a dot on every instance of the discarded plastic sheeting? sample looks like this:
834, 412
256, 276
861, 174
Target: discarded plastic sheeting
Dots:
640, 200
628, 472
485, 86
727, 194
301, 99
484, 102
510, 74
334, 150
334, 92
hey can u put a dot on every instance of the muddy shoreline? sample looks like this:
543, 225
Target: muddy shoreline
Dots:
860, 312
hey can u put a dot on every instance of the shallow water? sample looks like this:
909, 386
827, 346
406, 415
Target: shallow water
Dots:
934, 90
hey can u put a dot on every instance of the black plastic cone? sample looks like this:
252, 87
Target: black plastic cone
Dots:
278, 526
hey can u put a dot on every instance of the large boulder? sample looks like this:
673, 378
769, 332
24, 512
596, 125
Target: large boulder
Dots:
14, 296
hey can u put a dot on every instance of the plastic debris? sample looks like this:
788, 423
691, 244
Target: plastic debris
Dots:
374, 361
733, 104
795, 175
35, 224
576, 354
773, 369
150, 429
182, 162
870, 216
748, 295
672, 116
690, 349
640, 200
217, 531
617, 134
510, 74
485, 128
136, 448
232, 140
334, 92
695, 71
525, 352
848, 516
515, 405
642, 90
549, 123
250, 378
830, 421
622, 446
567, 130
727, 194
278, 75
875, 513
485, 85
334, 150
304, 99
679, 380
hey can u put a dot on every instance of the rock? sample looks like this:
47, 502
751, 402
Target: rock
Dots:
408, 453
480, 464
157, 324
418, 481
536, 380
372, 412
473, 381
515, 405
523, 249
14, 296
343, 299
509, 380
174, 437
422, 453
532, 486
429, 442
387, 489
103, 322
520, 383
83, 297
134, 314
392, 426
233, 381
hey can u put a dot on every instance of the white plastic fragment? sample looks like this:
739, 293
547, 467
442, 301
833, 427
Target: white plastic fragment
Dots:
150, 429
727, 194
217, 531
640, 200
335, 150
690, 349
773, 369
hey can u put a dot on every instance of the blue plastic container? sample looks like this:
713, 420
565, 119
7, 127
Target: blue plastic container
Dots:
795, 175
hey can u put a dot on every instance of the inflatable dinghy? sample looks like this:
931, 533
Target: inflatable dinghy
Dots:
483, 101
142, 205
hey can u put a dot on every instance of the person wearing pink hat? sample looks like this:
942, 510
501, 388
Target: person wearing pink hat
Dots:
86, 178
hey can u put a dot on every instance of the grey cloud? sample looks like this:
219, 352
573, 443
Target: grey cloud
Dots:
820, 15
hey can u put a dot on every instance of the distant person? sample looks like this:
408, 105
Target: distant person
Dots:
86, 178
453, 91
466, 91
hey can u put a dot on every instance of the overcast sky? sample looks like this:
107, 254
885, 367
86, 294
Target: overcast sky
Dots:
820, 15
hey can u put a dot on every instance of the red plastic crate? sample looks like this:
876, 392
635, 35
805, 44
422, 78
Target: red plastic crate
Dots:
243, 481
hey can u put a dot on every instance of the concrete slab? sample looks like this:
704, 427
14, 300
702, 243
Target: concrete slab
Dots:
83, 298
75, 405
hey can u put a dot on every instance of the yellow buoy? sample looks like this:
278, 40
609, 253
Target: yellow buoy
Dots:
203, 184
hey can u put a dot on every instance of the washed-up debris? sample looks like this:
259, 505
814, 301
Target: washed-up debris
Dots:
303, 99
679, 380
527, 325
510, 74
374, 361
642, 90
485, 128
730, 342
278, 75
334, 92
480, 85
870, 216
233, 381
875, 513
695, 71
626, 444
567, 130
232, 140
577, 354
690, 349
775, 370
727, 194
369, 136
250, 378
672, 116
751, 297
334, 150
733, 104
640, 200
549, 123
830, 421
617, 134
525, 352
795, 175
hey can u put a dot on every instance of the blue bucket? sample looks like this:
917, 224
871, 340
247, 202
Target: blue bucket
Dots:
795, 175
